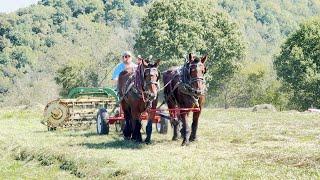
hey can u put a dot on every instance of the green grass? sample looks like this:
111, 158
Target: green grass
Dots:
234, 143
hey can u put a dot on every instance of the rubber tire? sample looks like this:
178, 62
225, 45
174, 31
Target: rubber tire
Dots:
102, 125
162, 126
52, 128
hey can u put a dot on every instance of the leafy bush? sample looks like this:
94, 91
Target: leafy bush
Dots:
77, 73
298, 65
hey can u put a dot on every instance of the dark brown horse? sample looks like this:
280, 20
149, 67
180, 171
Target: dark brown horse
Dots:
185, 88
138, 92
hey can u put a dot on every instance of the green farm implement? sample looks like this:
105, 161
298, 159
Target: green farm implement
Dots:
80, 108
86, 106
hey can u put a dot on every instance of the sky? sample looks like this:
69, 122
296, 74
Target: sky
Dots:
7, 6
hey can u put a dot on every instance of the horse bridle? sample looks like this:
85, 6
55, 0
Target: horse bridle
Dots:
153, 71
190, 79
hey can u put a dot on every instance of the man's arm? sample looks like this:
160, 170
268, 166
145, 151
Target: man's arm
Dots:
115, 75
117, 72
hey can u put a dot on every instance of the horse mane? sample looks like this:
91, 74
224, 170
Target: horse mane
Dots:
138, 77
122, 80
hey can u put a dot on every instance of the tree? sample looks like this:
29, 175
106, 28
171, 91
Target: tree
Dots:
121, 12
22, 56
77, 73
141, 2
298, 64
85, 7
4, 59
174, 28
250, 86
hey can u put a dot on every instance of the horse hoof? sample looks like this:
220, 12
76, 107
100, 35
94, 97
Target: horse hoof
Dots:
174, 138
126, 138
138, 141
193, 139
147, 142
185, 143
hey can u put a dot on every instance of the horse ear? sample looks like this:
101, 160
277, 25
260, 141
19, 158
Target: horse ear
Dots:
204, 58
156, 64
145, 64
190, 56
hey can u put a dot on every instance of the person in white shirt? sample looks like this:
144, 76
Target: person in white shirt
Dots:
126, 64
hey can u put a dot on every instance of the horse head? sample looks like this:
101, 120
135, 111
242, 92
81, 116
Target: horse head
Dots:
151, 77
195, 69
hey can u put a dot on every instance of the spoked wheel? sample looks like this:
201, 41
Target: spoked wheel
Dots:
102, 124
119, 125
56, 114
158, 127
162, 126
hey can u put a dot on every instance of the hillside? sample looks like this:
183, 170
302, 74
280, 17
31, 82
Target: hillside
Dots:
266, 24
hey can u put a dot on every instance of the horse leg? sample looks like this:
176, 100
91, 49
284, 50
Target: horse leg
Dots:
128, 126
136, 126
138, 132
175, 124
194, 126
174, 121
133, 127
185, 129
148, 131
149, 124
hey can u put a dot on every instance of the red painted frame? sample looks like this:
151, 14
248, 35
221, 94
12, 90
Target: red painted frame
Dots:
144, 116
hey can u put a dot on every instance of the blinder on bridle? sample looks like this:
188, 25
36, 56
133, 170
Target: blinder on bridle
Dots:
149, 70
152, 71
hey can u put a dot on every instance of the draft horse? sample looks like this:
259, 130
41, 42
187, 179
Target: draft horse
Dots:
185, 88
138, 90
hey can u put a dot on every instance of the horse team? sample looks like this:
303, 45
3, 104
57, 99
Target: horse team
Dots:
184, 87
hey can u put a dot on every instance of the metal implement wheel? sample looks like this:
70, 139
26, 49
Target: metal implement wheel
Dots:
52, 128
162, 126
56, 114
102, 124
117, 124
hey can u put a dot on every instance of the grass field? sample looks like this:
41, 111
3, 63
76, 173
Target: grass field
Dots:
234, 143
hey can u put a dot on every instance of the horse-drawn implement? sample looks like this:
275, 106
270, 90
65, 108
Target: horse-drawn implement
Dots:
88, 106
79, 108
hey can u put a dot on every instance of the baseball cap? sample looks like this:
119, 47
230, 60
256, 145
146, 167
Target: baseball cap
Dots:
126, 53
